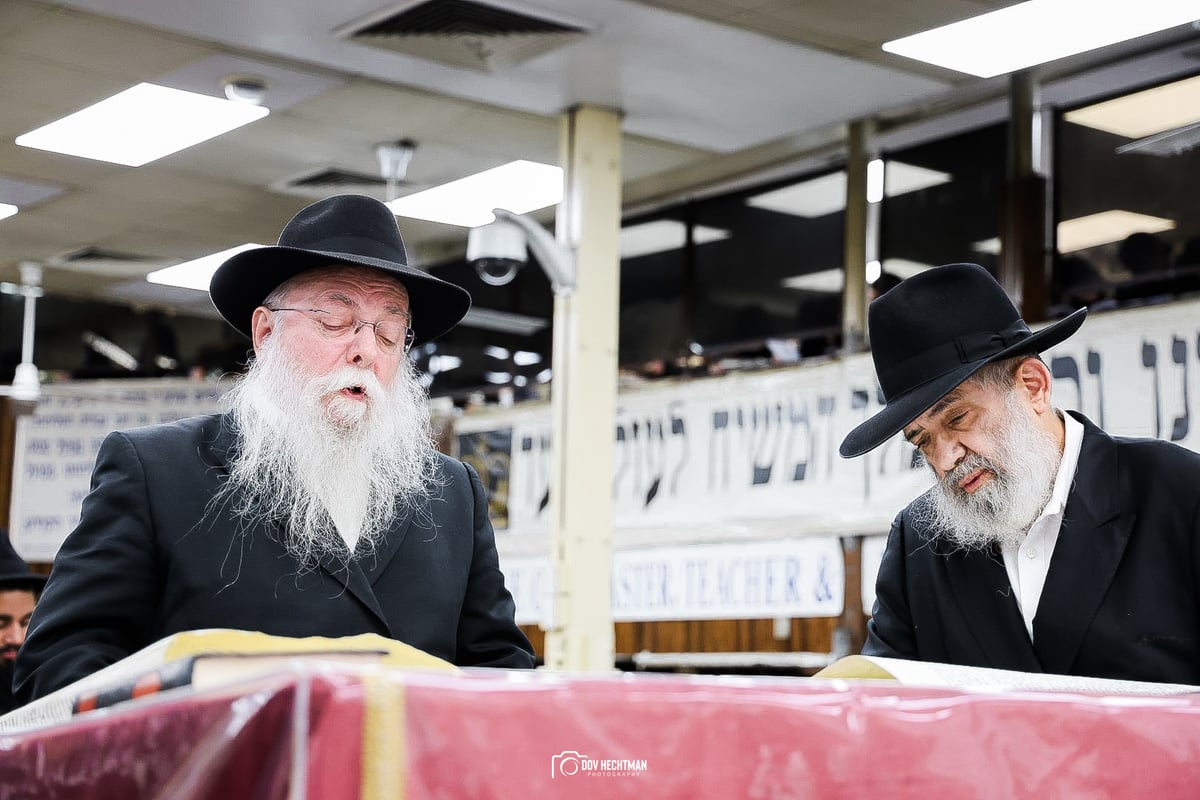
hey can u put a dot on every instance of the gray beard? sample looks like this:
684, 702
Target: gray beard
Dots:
1002, 512
333, 477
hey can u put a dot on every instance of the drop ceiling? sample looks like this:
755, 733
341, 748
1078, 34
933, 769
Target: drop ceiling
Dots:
709, 89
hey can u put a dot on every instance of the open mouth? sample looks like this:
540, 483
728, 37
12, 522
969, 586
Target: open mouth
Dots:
975, 480
357, 392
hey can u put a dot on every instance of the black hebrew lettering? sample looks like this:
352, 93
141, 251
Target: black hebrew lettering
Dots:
718, 462
1179, 427
678, 429
825, 408
1150, 361
797, 416
1093, 369
656, 470
1065, 368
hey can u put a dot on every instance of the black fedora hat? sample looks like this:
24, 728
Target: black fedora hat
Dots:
932, 332
14, 572
350, 229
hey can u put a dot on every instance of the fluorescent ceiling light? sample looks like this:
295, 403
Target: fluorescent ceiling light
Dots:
824, 280
197, 273
525, 358
827, 194
832, 280
875, 180
1152, 111
901, 178
989, 246
7, 210
442, 363
662, 235
1092, 230
1107, 226
518, 186
903, 268
1038, 31
141, 124
503, 321
811, 198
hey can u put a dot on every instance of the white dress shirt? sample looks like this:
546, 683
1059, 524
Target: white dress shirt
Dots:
1028, 563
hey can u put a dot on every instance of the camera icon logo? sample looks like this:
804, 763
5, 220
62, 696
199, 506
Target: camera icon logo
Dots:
565, 763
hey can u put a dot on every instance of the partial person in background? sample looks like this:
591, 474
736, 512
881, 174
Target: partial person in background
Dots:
317, 504
885, 282
1147, 258
1076, 283
19, 590
1045, 545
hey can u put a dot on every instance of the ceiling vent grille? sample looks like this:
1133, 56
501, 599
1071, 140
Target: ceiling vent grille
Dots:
326, 181
112, 263
465, 33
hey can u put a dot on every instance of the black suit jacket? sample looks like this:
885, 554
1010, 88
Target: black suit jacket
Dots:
152, 555
1122, 595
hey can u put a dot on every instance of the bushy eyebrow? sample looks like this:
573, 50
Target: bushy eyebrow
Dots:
346, 301
933, 411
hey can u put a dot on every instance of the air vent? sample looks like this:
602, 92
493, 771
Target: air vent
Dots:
111, 263
464, 33
326, 181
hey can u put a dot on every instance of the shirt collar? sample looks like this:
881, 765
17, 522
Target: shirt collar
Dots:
1073, 442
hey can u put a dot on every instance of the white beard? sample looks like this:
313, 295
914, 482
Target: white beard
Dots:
1002, 511
332, 472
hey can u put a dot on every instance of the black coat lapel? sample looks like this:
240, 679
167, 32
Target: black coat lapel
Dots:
985, 598
1089, 549
351, 575
374, 564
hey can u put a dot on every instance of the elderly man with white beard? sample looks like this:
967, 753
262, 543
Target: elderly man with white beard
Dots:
316, 505
1045, 545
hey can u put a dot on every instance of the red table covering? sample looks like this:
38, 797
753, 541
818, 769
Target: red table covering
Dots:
336, 732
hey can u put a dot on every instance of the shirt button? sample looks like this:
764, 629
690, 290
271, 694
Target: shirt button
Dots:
1031, 553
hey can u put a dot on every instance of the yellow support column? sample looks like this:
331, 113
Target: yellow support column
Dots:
584, 394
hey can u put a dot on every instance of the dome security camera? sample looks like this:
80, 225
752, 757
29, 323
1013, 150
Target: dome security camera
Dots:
497, 251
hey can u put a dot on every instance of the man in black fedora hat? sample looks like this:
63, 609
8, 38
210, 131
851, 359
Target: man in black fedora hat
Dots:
19, 589
316, 505
1045, 545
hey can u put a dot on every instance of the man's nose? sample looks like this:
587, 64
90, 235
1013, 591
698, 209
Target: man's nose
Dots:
947, 453
13, 633
364, 347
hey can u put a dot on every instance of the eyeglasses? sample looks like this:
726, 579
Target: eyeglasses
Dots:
390, 334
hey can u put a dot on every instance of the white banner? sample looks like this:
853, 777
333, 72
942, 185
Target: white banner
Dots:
754, 456
56, 448
791, 578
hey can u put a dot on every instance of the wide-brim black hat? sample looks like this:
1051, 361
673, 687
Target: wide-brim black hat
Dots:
350, 229
14, 572
932, 332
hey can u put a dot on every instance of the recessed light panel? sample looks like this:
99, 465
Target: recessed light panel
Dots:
1038, 31
141, 124
197, 273
519, 187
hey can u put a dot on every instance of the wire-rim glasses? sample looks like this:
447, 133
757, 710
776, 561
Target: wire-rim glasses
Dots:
390, 333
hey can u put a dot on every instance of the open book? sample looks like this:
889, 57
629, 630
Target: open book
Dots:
954, 676
204, 659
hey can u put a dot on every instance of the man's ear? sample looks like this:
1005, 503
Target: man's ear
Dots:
261, 325
1034, 379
